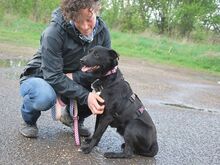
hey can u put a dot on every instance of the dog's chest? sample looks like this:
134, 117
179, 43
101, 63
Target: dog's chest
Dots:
117, 99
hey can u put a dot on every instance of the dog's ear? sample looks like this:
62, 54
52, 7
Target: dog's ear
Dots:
114, 54
115, 57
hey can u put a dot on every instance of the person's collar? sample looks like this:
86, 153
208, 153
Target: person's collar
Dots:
85, 38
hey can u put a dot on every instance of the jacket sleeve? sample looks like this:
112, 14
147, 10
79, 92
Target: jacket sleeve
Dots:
52, 67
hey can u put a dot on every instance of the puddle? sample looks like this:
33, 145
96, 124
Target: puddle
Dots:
12, 68
178, 105
189, 107
12, 63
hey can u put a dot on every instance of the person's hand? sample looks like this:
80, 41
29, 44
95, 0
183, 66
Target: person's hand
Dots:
70, 75
93, 100
93, 104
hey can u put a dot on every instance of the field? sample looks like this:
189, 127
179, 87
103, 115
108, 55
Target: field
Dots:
151, 47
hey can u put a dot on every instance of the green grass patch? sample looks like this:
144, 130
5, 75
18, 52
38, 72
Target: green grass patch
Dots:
153, 48
20, 31
164, 50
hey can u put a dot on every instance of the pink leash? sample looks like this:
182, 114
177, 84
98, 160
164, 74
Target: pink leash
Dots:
73, 107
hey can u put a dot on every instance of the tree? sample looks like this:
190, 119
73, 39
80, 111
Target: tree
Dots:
192, 13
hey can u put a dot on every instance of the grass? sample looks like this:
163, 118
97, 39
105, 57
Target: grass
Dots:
164, 50
20, 31
153, 48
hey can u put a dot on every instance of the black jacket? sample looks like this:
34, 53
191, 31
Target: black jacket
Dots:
59, 53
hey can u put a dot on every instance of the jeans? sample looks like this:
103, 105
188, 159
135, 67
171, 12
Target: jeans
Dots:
39, 96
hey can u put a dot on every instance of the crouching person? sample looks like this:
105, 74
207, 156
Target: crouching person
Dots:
55, 69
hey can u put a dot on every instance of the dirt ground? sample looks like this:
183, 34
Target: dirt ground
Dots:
184, 104
171, 85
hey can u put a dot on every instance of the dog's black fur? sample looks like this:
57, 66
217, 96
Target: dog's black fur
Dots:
123, 109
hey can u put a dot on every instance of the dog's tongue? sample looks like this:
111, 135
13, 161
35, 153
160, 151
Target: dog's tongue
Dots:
89, 69
85, 68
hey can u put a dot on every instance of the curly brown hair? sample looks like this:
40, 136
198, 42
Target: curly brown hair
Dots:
70, 8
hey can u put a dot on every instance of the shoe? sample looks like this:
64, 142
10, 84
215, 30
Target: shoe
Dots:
67, 120
83, 131
29, 131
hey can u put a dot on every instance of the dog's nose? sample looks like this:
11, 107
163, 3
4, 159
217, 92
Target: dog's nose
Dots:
82, 61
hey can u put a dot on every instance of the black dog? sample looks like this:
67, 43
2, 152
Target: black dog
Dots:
123, 109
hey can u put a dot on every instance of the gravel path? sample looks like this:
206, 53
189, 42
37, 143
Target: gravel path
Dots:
184, 104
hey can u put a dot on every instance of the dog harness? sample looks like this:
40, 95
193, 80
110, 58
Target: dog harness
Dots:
97, 86
139, 110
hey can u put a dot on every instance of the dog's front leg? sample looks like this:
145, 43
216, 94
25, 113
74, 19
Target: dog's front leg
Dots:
89, 139
102, 125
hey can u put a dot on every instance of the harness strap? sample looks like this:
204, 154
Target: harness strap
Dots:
132, 98
139, 110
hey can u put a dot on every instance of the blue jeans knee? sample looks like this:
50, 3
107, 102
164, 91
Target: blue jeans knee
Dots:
38, 96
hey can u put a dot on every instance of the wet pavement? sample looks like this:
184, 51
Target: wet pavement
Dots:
184, 104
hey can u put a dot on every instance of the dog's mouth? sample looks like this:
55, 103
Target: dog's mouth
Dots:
90, 68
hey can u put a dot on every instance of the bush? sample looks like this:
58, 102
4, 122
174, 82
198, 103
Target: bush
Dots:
131, 21
198, 35
38, 10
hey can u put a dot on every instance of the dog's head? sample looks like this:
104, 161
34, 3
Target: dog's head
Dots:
99, 60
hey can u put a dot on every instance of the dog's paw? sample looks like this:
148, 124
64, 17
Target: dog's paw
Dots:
88, 140
117, 155
86, 149
109, 154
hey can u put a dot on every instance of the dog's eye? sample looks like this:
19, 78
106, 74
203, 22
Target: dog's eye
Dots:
96, 55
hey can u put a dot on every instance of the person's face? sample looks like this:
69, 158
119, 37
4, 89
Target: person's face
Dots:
85, 21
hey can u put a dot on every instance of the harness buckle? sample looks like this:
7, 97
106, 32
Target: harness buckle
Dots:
132, 98
115, 115
97, 86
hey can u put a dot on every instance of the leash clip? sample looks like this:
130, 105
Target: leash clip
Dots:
96, 86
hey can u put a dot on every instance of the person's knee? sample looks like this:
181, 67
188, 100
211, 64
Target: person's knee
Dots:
39, 93
44, 102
